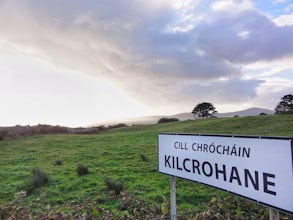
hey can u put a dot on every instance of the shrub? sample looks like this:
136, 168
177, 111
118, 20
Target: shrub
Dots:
82, 170
120, 125
144, 158
3, 134
165, 120
114, 185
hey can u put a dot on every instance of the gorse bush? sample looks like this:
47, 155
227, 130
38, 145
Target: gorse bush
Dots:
82, 170
114, 185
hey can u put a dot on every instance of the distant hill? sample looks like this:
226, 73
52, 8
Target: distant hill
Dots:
247, 112
15, 131
188, 116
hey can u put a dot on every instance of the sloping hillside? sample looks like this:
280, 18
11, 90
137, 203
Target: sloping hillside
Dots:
127, 156
269, 125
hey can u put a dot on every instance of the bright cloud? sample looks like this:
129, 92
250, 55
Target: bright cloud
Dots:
231, 6
284, 20
113, 59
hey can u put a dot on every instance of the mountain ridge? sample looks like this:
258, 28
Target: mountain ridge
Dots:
189, 116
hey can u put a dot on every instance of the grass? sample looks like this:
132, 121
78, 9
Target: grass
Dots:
116, 154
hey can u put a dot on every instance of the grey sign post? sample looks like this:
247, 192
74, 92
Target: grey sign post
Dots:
173, 197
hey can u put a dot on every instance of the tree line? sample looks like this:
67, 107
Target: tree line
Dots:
208, 110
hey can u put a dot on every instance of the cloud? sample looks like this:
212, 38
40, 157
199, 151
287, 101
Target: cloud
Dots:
156, 51
280, 1
284, 20
234, 90
101, 39
244, 37
232, 6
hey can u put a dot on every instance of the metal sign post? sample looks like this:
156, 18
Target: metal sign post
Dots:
173, 197
274, 214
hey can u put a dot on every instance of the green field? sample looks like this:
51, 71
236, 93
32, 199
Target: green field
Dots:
115, 154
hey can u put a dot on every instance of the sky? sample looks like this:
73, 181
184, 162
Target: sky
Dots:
78, 63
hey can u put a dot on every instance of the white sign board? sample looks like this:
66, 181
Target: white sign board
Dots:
257, 168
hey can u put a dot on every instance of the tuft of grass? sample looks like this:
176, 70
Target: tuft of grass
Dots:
114, 185
58, 162
82, 170
38, 179
144, 158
